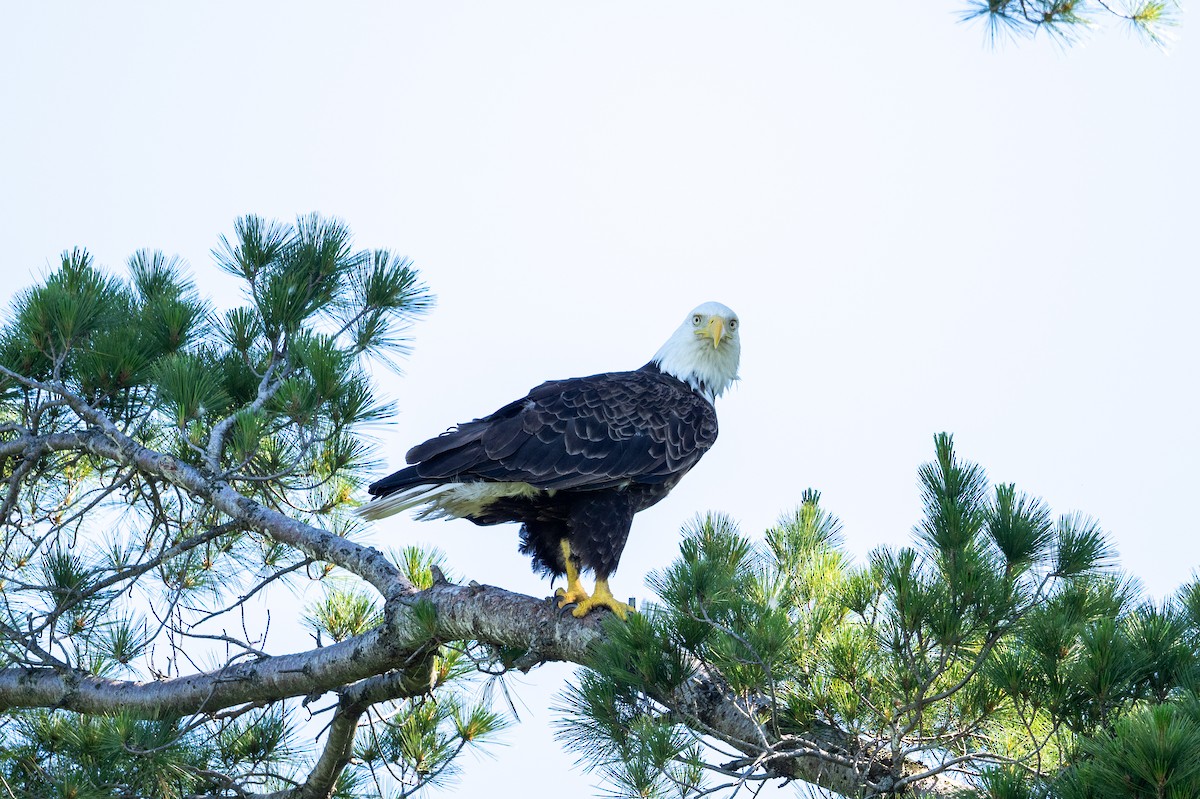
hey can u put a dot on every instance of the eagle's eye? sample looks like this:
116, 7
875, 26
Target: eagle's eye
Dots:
733, 324
696, 320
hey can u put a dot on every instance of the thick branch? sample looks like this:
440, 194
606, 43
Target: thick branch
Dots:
266, 679
491, 614
413, 680
339, 746
481, 613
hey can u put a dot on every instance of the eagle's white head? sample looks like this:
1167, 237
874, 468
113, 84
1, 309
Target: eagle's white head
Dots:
704, 351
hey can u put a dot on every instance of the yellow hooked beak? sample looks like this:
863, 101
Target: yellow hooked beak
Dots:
715, 330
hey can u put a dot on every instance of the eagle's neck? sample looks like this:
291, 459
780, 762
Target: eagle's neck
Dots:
707, 369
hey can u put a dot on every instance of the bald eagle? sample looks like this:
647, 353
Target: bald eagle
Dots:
574, 460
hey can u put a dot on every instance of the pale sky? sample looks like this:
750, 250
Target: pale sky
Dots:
918, 231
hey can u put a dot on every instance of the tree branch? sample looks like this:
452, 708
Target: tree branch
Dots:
353, 703
483, 613
106, 441
335, 756
823, 755
267, 388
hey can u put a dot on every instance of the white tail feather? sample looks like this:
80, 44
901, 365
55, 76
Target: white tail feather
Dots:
449, 501
400, 501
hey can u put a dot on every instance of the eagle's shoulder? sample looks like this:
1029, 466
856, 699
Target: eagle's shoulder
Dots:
642, 399
599, 431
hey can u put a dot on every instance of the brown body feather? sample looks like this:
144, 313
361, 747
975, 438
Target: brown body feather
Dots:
599, 448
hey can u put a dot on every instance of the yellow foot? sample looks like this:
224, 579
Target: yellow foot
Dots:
574, 591
602, 598
570, 594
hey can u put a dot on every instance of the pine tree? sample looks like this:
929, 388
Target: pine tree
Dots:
1001, 654
1066, 20
165, 463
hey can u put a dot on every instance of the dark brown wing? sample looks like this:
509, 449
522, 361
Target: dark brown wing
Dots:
585, 433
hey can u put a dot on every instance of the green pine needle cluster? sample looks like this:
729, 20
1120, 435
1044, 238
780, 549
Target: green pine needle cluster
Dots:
418, 744
271, 393
344, 612
1065, 21
1002, 641
56, 754
644, 752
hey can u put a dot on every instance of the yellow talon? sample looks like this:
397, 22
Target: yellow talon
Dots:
574, 592
602, 597
570, 594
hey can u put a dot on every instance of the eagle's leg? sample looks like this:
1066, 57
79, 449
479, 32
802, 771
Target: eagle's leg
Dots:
574, 592
602, 597
599, 524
